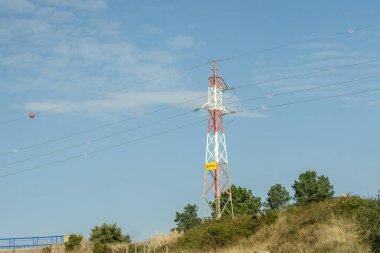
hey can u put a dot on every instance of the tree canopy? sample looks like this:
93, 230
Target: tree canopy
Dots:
312, 188
108, 233
278, 197
243, 201
188, 218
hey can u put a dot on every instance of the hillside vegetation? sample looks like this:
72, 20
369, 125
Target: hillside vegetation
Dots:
328, 226
338, 225
316, 222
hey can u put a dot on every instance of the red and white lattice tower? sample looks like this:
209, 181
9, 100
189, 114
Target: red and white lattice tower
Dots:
217, 194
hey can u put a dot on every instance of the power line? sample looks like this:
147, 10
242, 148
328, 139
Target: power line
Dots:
177, 128
175, 116
100, 150
307, 74
349, 31
92, 140
301, 42
101, 126
267, 82
305, 89
312, 100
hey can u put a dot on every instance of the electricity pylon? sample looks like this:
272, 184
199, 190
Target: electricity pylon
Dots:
217, 177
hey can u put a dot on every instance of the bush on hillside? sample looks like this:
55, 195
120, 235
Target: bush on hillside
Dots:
108, 233
214, 234
350, 204
73, 242
101, 248
105, 235
368, 223
367, 213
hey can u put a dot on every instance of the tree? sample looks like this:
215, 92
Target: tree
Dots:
278, 197
188, 218
243, 201
108, 233
312, 188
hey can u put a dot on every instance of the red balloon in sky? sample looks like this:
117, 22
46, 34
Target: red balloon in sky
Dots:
32, 115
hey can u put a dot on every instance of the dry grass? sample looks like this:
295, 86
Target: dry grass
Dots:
236, 249
119, 247
159, 240
317, 229
55, 249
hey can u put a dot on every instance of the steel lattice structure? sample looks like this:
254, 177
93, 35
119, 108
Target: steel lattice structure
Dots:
217, 177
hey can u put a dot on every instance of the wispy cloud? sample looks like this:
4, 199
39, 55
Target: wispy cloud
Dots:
87, 5
62, 51
252, 114
49, 52
57, 62
20, 6
131, 101
324, 55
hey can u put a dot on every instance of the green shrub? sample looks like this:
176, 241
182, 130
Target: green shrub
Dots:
108, 233
214, 234
73, 242
101, 248
350, 204
368, 223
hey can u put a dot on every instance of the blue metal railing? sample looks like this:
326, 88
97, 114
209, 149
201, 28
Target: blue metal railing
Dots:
31, 242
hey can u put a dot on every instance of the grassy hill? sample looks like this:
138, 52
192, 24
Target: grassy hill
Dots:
328, 226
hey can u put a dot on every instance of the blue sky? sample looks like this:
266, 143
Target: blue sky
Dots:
91, 63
